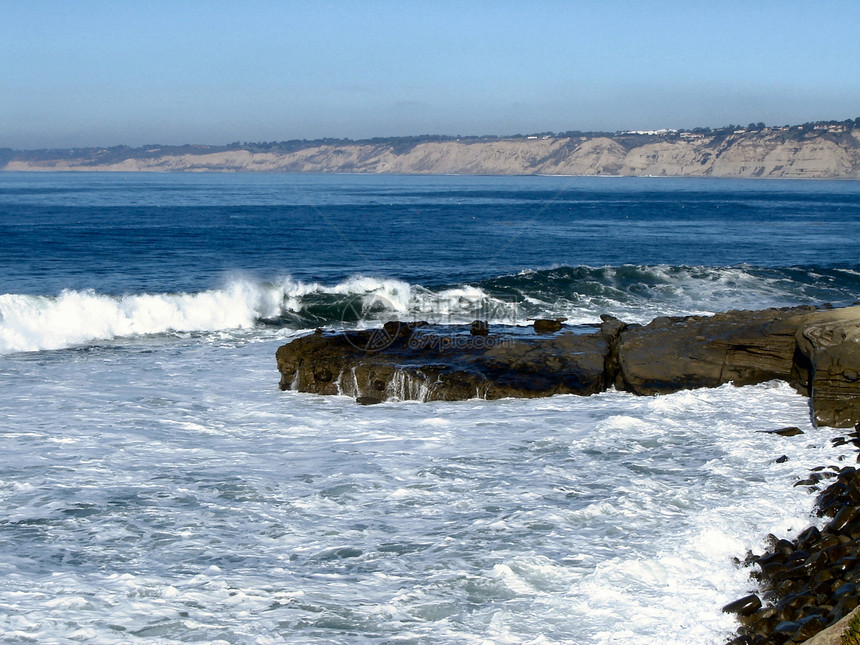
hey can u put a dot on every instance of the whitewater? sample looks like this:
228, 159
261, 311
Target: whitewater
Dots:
636, 294
157, 487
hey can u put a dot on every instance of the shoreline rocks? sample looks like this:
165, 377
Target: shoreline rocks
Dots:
817, 351
808, 584
417, 361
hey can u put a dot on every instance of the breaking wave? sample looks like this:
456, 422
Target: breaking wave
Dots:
633, 293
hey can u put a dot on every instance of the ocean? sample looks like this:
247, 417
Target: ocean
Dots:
157, 487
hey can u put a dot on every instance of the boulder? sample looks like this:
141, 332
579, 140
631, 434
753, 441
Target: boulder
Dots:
480, 328
746, 606
741, 347
833, 634
546, 326
829, 341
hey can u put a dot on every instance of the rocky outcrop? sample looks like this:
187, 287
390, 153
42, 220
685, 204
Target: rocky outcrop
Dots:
815, 350
830, 343
773, 153
416, 361
809, 583
741, 347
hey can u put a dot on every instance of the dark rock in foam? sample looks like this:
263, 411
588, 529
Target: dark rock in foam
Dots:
811, 582
790, 431
480, 328
745, 606
545, 326
816, 351
413, 360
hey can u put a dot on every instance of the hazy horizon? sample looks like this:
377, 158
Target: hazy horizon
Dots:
101, 74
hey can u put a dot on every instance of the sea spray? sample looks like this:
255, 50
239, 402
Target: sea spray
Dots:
581, 294
30, 323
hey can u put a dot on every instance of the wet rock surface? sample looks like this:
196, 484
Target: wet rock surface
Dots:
418, 361
830, 343
817, 351
743, 347
813, 581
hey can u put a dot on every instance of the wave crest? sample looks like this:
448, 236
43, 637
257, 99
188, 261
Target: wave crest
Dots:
30, 323
632, 293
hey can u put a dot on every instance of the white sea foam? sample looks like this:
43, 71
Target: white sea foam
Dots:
640, 293
634, 294
32, 323
195, 501
29, 323
164, 490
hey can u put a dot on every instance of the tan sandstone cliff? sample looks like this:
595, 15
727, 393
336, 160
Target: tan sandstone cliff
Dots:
768, 153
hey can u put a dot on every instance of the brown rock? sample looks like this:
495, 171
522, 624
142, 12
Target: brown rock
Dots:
413, 361
480, 328
742, 347
790, 431
816, 351
830, 342
833, 634
367, 400
544, 326
745, 606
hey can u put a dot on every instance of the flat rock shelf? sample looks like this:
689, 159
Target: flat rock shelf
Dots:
816, 350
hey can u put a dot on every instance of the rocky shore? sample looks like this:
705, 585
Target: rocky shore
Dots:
816, 350
809, 583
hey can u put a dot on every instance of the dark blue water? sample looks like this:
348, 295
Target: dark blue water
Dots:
133, 233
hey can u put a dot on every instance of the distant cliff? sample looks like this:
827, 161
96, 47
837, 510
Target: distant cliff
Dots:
828, 151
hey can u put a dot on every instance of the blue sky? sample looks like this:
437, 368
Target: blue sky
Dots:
89, 73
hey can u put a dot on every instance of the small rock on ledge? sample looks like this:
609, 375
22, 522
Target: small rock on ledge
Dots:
817, 351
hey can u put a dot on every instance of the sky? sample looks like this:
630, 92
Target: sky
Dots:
105, 73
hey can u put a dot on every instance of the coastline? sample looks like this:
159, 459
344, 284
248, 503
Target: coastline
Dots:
627, 509
815, 350
808, 585
799, 152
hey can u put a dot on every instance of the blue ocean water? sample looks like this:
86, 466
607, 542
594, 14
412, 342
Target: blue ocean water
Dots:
157, 486
121, 233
